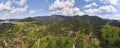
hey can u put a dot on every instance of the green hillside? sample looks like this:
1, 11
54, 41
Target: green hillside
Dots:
65, 32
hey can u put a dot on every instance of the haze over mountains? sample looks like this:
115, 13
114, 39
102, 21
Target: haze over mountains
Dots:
58, 18
53, 18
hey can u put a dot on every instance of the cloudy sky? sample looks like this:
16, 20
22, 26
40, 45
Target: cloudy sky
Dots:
30, 8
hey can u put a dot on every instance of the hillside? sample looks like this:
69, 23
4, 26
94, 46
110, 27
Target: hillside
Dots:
59, 31
51, 19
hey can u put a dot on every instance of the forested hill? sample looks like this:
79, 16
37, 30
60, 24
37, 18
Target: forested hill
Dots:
58, 18
51, 19
59, 31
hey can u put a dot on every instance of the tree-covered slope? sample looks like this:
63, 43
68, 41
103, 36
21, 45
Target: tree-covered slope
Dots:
111, 36
60, 32
51, 19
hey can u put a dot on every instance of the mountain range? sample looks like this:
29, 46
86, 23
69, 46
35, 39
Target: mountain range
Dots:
58, 31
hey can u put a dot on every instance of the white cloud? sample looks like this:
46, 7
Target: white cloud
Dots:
8, 9
87, 0
22, 2
102, 9
76, 11
65, 7
58, 4
108, 8
90, 5
19, 10
32, 11
7, 15
113, 2
108, 16
5, 6
91, 11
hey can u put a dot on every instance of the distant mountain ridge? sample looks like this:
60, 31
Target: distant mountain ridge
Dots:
58, 18
55, 17
51, 19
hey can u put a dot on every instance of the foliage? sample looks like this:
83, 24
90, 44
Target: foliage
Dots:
60, 32
111, 35
56, 42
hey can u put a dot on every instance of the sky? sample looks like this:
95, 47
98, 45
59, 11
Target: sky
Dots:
11, 9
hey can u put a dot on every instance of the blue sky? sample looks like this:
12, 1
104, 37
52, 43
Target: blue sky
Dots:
10, 9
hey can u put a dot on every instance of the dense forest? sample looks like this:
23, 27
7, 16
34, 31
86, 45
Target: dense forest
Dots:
59, 31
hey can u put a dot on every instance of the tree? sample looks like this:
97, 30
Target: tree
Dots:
111, 36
